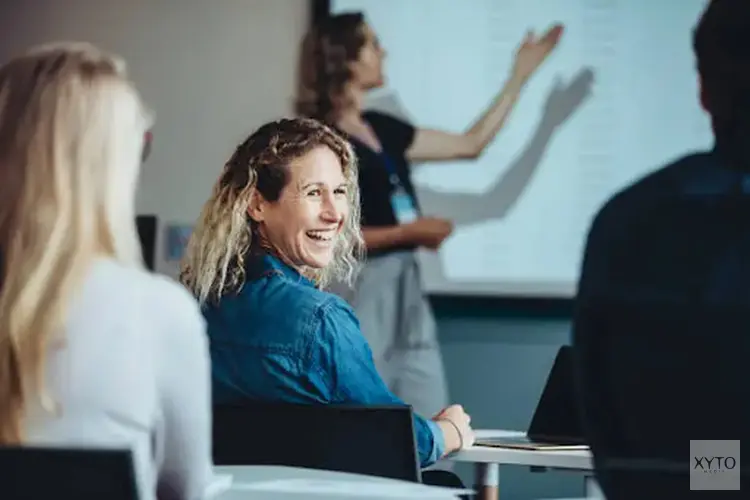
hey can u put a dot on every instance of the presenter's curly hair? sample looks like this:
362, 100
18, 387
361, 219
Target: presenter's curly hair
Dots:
723, 63
327, 51
214, 264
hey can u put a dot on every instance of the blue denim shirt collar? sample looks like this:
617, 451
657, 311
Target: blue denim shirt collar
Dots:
265, 264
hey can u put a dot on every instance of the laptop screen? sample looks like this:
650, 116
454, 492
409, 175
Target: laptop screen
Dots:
557, 416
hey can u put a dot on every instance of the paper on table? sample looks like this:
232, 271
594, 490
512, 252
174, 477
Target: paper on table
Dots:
353, 488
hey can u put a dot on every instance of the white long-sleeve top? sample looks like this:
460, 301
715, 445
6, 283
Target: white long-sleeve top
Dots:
133, 371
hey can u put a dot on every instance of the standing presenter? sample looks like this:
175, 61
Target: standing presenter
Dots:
341, 60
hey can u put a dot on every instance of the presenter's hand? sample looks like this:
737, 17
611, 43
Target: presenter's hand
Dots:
456, 426
534, 51
429, 232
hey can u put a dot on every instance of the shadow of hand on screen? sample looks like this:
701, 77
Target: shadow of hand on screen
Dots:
562, 102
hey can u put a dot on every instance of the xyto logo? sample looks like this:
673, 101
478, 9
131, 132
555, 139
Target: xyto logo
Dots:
712, 465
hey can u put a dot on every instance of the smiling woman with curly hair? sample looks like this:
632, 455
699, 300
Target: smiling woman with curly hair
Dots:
283, 220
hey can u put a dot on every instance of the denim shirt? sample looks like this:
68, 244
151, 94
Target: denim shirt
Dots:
282, 339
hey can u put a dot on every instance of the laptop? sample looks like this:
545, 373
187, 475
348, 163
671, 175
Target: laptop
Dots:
556, 424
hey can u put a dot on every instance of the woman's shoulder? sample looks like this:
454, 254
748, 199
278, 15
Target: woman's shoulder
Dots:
336, 314
313, 302
311, 299
394, 132
158, 287
280, 297
335, 304
137, 293
379, 118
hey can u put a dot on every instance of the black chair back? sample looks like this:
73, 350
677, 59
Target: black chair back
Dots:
148, 226
372, 440
37, 473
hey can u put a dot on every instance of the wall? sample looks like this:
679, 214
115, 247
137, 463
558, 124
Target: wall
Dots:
213, 71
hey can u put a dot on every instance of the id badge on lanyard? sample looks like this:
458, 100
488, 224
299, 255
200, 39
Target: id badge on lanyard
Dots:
402, 202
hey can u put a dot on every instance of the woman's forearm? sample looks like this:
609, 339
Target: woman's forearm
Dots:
450, 436
381, 238
486, 127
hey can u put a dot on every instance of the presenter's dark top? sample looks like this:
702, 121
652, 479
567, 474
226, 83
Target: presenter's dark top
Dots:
376, 170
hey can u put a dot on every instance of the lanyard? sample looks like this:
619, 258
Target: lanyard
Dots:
390, 167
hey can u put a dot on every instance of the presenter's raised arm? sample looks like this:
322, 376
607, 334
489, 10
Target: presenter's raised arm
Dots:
436, 145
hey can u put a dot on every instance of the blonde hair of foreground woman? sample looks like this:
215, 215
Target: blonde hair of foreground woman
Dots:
71, 137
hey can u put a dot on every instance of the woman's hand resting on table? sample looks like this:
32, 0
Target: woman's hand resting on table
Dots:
457, 431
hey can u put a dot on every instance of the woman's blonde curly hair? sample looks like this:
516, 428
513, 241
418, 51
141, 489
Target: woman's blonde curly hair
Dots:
225, 235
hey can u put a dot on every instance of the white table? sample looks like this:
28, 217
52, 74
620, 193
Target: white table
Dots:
488, 459
246, 478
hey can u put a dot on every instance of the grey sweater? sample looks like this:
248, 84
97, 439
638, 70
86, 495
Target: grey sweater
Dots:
133, 371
